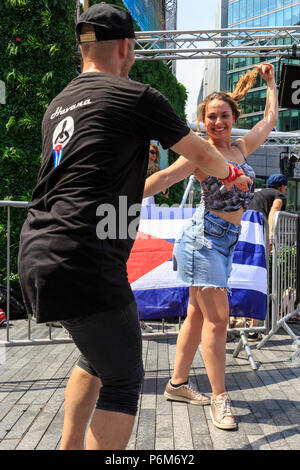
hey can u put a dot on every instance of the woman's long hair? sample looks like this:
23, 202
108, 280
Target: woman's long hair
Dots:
245, 83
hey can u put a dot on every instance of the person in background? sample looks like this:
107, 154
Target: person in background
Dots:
154, 156
268, 201
153, 167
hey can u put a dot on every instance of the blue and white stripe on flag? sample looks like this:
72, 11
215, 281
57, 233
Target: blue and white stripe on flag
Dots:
157, 291
248, 280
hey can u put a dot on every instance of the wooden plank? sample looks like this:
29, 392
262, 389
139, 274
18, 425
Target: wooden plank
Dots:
265, 402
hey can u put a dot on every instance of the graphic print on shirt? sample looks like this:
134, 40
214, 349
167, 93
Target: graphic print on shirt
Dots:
61, 137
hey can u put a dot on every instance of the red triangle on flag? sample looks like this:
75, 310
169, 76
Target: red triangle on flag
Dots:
147, 253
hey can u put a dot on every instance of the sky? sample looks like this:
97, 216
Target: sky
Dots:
193, 15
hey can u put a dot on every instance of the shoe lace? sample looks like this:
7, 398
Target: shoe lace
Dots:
189, 387
223, 406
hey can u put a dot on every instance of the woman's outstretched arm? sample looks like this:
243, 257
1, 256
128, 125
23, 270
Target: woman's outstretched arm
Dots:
165, 178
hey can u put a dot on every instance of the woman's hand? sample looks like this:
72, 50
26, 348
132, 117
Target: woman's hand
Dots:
266, 71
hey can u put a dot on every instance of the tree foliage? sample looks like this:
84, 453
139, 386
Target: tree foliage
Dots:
37, 50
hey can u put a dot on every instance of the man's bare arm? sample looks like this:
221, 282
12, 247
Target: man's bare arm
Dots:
202, 155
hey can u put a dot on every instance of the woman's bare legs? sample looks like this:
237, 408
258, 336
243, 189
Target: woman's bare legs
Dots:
207, 318
188, 340
215, 309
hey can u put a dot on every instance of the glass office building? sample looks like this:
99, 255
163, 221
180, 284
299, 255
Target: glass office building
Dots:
261, 13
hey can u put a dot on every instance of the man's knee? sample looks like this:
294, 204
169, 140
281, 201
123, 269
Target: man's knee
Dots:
122, 396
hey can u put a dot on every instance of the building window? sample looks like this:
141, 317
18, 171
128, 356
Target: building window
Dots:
287, 17
264, 6
249, 8
296, 14
235, 12
243, 14
261, 13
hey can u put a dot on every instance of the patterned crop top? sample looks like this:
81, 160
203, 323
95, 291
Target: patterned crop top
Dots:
216, 197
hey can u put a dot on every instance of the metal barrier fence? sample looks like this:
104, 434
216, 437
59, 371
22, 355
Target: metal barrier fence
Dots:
162, 329
285, 276
283, 280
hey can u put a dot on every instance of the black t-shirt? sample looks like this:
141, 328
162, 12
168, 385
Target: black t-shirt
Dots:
263, 201
85, 208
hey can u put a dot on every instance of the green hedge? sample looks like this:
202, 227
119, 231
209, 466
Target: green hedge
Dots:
37, 48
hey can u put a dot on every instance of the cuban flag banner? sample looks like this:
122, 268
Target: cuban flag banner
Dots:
157, 291
248, 281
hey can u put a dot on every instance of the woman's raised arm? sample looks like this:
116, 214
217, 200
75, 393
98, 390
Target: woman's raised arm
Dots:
258, 134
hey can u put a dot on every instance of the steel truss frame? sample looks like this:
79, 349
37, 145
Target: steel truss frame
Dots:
171, 14
171, 25
225, 43
275, 139
217, 43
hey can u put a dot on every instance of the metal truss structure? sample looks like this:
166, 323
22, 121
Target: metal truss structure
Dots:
218, 43
171, 25
291, 140
280, 41
171, 14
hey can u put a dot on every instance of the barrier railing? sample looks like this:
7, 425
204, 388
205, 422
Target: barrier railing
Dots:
285, 233
285, 276
29, 341
163, 329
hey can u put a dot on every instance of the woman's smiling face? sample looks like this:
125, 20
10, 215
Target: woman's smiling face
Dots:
219, 119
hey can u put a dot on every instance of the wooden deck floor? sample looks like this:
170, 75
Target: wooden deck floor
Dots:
266, 402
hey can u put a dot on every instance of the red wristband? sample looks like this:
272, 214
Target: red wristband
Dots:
234, 173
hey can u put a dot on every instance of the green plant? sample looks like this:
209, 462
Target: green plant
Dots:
37, 46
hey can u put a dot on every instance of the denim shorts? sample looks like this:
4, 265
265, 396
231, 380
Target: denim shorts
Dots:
203, 252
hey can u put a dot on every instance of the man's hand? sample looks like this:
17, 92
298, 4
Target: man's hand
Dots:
237, 178
242, 183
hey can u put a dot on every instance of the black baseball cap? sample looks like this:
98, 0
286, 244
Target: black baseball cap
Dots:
109, 21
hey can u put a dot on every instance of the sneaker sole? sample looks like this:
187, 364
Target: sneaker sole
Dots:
186, 400
254, 340
220, 425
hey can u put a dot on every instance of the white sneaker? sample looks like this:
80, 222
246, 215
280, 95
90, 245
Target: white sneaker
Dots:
220, 412
186, 394
146, 328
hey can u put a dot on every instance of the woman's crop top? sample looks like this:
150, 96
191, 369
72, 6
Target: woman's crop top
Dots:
216, 197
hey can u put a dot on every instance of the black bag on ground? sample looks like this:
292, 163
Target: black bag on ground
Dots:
17, 309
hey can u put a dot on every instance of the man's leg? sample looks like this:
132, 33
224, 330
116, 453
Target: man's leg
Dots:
111, 343
109, 430
81, 395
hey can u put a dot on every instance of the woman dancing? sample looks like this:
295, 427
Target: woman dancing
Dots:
204, 249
